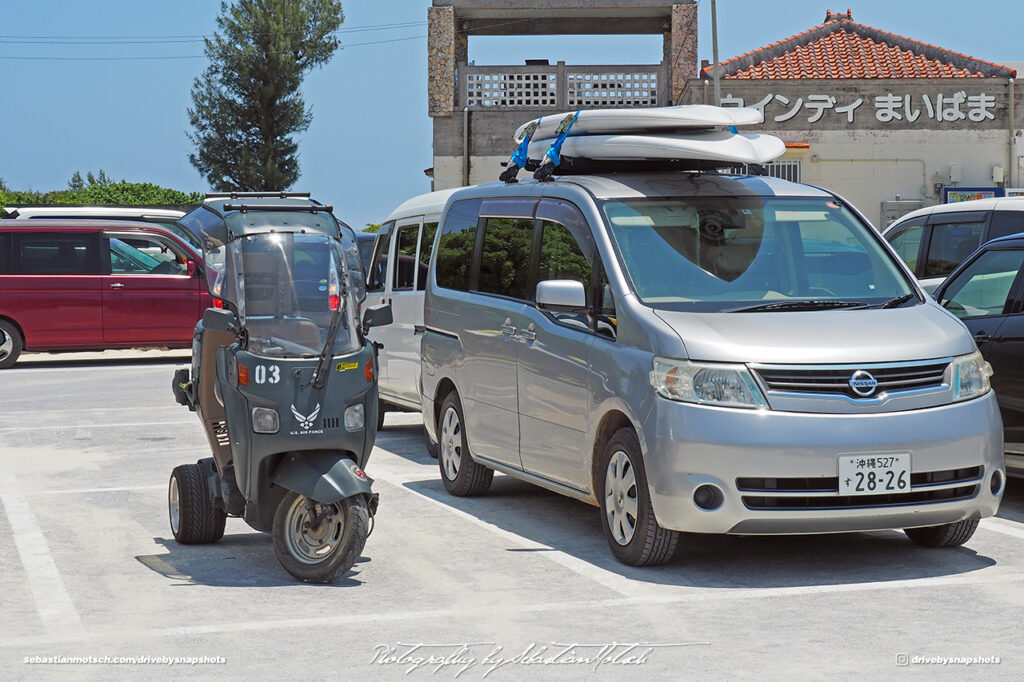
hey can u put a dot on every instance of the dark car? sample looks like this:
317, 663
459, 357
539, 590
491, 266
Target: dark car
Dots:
95, 284
987, 293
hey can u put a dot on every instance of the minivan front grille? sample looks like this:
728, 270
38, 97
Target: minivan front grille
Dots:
836, 380
784, 494
790, 503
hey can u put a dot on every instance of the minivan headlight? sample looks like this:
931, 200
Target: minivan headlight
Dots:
970, 376
706, 383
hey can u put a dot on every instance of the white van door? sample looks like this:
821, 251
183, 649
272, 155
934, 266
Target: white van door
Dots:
406, 295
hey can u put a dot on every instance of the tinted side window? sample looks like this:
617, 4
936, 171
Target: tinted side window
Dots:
1006, 222
563, 257
505, 258
56, 254
405, 258
951, 244
907, 243
5, 254
982, 288
455, 246
378, 269
426, 244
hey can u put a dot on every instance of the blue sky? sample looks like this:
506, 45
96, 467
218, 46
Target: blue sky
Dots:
63, 109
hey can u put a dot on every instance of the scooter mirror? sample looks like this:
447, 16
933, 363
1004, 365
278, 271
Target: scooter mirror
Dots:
219, 319
377, 316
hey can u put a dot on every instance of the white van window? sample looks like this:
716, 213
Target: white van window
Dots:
426, 244
1006, 222
720, 253
376, 277
950, 245
405, 258
907, 243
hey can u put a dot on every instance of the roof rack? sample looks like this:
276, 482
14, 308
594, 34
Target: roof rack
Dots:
314, 208
256, 195
584, 166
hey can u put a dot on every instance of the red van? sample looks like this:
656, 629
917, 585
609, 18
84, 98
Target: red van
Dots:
69, 285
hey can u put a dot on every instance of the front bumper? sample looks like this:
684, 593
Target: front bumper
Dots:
686, 446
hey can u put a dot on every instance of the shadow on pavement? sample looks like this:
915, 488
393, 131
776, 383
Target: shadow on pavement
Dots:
65, 360
408, 441
718, 561
237, 560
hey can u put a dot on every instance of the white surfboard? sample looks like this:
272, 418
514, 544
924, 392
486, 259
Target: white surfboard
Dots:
709, 145
636, 120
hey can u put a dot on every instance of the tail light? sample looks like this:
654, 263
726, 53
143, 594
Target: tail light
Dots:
369, 370
243, 375
217, 303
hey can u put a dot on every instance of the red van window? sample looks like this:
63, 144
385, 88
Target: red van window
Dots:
56, 254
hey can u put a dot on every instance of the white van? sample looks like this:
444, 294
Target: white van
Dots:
397, 274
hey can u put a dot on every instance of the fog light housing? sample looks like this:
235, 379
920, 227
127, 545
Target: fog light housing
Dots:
996, 484
355, 417
708, 497
265, 420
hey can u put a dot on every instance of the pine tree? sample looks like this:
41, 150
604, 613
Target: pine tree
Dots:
247, 108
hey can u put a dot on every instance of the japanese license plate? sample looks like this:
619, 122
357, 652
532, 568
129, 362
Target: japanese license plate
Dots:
874, 474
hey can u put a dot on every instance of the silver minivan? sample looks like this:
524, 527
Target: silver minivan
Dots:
705, 353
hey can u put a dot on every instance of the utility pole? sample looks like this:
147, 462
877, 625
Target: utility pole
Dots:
714, 49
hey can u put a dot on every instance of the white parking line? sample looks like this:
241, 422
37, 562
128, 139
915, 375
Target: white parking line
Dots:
86, 491
1003, 526
490, 611
53, 603
90, 426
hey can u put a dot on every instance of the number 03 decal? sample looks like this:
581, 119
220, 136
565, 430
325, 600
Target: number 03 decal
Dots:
268, 374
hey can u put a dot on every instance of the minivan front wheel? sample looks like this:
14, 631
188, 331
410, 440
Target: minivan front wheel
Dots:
10, 344
462, 476
946, 535
632, 532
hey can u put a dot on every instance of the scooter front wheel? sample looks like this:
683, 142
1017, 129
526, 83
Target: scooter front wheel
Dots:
316, 542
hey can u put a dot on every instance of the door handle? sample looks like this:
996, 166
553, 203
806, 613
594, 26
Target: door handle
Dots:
117, 285
528, 335
508, 330
982, 335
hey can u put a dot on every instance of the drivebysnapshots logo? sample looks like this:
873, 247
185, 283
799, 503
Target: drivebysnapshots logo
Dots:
913, 659
306, 422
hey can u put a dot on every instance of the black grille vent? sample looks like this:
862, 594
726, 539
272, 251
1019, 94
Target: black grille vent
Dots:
860, 501
331, 422
220, 432
837, 381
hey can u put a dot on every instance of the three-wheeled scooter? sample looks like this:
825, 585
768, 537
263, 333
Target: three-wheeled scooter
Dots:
283, 380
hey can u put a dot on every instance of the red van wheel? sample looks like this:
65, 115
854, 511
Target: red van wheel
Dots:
10, 344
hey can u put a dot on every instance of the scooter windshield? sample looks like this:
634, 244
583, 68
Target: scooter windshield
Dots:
287, 287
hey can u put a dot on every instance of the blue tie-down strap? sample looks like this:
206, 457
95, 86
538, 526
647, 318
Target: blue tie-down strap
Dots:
519, 155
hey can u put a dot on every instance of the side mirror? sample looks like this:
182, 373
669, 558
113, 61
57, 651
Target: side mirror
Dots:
377, 316
220, 320
190, 267
561, 295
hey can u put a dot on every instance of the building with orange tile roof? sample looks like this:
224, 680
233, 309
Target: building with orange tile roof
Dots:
888, 121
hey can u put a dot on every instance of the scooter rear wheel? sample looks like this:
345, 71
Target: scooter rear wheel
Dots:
194, 519
318, 543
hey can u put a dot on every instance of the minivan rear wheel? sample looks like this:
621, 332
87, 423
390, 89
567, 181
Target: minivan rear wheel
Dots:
462, 476
946, 535
10, 344
633, 533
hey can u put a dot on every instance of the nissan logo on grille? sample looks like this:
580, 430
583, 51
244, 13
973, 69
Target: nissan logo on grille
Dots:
862, 383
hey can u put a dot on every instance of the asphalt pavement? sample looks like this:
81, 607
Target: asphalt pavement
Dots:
517, 584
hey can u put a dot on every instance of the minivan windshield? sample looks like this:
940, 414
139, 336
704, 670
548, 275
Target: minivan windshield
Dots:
757, 253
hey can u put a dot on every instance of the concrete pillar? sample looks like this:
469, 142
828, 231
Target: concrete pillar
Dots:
681, 48
441, 56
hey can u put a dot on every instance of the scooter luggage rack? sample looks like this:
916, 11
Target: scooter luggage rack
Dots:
312, 208
257, 195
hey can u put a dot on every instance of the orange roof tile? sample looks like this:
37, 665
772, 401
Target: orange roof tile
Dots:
843, 48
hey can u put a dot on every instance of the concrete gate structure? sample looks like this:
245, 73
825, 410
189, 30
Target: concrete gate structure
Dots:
476, 109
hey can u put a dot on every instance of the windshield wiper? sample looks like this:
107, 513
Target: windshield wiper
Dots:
320, 373
898, 301
788, 306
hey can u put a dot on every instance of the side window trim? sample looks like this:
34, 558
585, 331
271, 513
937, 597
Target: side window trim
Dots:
404, 225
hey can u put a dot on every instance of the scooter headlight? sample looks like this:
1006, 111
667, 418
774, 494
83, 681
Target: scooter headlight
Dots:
265, 420
355, 417
970, 376
706, 383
